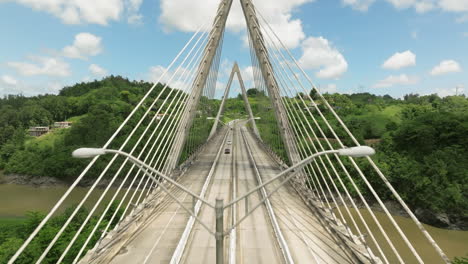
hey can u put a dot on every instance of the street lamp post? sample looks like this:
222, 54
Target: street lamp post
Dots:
219, 207
219, 210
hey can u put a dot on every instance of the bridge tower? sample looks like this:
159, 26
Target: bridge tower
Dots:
267, 72
214, 40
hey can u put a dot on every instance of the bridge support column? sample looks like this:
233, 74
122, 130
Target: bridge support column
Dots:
266, 69
219, 231
236, 70
200, 81
246, 100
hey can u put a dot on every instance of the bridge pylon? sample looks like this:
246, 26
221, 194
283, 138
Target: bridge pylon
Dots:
235, 70
200, 81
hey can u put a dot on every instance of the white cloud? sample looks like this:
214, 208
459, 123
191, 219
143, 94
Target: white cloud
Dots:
84, 46
420, 6
446, 66
319, 53
85, 11
329, 88
400, 4
179, 81
443, 92
361, 5
392, 80
97, 70
10, 85
400, 60
248, 76
135, 19
42, 66
188, 15
454, 5
8, 80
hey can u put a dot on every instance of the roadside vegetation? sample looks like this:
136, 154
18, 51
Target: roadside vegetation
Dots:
13, 232
421, 141
421, 144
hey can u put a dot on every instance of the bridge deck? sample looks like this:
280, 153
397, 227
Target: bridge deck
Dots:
307, 240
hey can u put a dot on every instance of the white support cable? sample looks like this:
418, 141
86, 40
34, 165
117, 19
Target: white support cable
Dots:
259, 81
165, 147
346, 191
320, 158
140, 183
205, 90
294, 221
234, 174
288, 105
362, 198
155, 163
178, 92
292, 117
360, 172
345, 188
378, 223
379, 172
183, 95
169, 223
176, 140
80, 177
110, 203
338, 177
179, 250
102, 174
110, 163
271, 213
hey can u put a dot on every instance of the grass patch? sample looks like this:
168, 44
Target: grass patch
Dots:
46, 141
393, 112
76, 118
6, 222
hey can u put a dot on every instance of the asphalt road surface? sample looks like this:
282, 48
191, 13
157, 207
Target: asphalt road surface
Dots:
256, 240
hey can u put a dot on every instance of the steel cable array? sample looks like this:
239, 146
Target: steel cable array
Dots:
307, 119
154, 132
159, 111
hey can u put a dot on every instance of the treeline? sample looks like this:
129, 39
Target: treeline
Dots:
13, 235
421, 141
95, 108
421, 144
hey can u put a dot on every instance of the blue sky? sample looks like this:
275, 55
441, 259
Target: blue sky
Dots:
380, 46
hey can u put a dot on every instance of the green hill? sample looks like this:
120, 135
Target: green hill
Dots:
421, 141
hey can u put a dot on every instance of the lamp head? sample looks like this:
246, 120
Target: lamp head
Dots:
83, 153
359, 151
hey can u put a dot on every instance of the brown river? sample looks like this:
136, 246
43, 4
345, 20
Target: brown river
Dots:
16, 200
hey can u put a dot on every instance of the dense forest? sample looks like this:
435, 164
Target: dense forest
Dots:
421, 141
95, 110
421, 144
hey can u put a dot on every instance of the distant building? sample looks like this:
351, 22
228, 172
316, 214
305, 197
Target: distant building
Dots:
38, 131
62, 124
160, 116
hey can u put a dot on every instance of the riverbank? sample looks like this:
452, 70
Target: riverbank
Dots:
44, 181
439, 220
25, 198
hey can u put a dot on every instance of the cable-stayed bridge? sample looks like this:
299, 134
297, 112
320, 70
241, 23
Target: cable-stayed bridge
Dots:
280, 186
